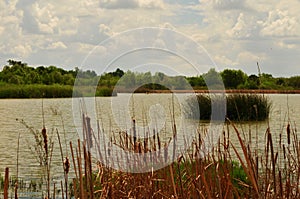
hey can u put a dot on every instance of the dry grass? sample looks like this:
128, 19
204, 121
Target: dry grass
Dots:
273, 173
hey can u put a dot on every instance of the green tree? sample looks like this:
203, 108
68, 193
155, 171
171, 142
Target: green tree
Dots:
294, 82
213, 79
252, 82
233, 78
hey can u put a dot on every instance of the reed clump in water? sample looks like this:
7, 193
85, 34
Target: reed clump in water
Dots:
239, 107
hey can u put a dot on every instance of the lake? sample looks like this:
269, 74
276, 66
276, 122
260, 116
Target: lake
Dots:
115, 114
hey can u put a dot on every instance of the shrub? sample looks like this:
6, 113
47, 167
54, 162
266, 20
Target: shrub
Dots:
105, 92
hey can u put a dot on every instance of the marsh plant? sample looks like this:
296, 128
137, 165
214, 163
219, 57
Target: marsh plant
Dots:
42, 149
231, 170
239, 107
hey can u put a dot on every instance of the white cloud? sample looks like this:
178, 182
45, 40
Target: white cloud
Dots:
249, 57
280, 23
167, 26
57, 46
68, 26
45, 18
285, 45
106, 30
151, 4
22, 50
243, 28
228, 4
131, 4
222, 60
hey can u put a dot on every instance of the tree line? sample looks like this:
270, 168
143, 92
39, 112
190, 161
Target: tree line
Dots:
19, 73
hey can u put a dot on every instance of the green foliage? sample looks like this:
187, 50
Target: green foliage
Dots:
239, 107
196, 82
147, 81
233, 78
105, 92
294, 82
19, 73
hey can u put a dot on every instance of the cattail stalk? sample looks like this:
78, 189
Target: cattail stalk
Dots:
6, 183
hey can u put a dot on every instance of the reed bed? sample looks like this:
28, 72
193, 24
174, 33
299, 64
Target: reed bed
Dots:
230, 170
239, 107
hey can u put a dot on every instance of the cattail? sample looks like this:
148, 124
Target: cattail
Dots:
284, 156
44, 134
67, 165
134, 132
166, 152
139, 147
288, 130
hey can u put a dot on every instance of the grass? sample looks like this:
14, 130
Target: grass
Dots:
239, 107
52, 91
36, 91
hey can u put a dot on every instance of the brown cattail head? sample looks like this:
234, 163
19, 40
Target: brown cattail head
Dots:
45, 137
288, 130
67, 165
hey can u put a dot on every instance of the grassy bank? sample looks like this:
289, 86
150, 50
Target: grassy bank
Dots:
35, 91
51, 91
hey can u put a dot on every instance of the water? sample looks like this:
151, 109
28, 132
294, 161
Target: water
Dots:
58, 115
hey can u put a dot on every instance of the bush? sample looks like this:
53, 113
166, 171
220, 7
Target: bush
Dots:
105, 92
239, 107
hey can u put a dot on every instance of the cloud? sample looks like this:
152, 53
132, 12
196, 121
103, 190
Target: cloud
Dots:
286, 45
243, 28
45, 18
131, 4
234, 32
106, 30
68, 26
22, 50
223, 60
280, 23
57, 46
249, 57
228, 4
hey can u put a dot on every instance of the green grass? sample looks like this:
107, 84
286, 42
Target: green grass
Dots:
36, 91
52, 91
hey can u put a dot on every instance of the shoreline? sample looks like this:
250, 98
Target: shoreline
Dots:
248, 91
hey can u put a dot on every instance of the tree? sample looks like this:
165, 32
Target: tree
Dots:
213, 79
252, 82
196, 81
294, 82
233, 78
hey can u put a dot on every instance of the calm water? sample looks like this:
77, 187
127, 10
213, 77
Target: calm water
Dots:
59, 114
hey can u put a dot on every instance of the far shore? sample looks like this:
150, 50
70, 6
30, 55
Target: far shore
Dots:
255, 91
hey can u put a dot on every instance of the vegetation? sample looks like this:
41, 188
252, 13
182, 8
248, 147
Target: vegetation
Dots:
230, 170
239, 107
23, 81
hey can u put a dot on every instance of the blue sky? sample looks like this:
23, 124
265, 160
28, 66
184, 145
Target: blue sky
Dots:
234, 33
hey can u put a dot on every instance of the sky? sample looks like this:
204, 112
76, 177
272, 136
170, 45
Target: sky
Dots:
183, 36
